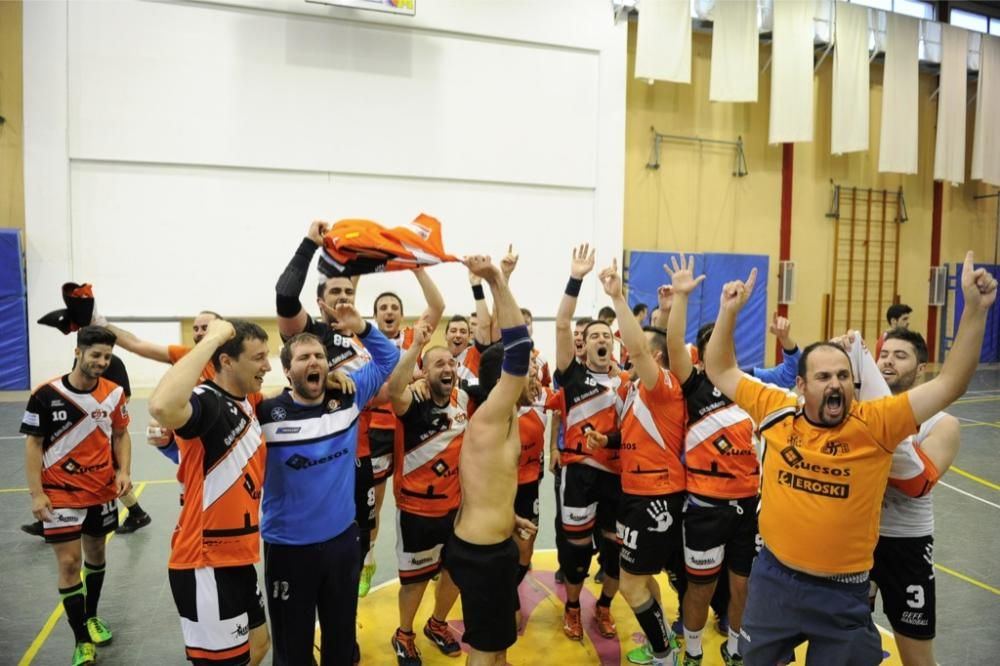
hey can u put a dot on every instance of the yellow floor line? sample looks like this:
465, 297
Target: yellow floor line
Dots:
151, 482
50, 623
968, 579
977, 479
969, 401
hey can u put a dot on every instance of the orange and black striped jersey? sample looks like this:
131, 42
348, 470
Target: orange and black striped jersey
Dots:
76, 428
427, 446
177, 352
590, 401
531, 427
821, 487
221, 471
653, 437
719, 451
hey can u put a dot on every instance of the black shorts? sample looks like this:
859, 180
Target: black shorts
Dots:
649, 529
486, 576
717, 530
364, 494
380, 442
589, 499
526, 501
419, 542
904, 573
68, 524
218, 608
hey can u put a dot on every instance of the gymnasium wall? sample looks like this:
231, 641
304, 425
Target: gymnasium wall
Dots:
11, 144
176, 152
693, 203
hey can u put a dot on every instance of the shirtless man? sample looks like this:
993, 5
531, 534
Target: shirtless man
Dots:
481, 554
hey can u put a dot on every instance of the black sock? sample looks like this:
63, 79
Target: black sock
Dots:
93, 581
74, 601
572, 604
653, 624
522, 571
604, 601
136, 510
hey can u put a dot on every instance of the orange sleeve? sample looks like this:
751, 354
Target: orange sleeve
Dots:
177, 352
759, 400
120, 419
922, 483
889, 419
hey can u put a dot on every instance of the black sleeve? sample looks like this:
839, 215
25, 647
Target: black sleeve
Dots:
690, 385
36, 417
117, 373
205, 407
292, 279
562, 377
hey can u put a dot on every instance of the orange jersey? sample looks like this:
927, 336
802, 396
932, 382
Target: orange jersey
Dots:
468, 364
821, 488
221, 471
544, 376
177, 352
531, 427
427, 446
356, 247
590, 401
382, 417
652, 437
719, 451
75, 428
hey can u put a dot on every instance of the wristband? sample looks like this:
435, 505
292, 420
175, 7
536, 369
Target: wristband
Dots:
477, 292
573, 287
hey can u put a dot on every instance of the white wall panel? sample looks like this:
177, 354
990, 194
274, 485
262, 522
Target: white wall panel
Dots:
206, 84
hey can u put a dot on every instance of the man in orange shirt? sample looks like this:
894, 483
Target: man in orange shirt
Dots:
217, 539
825, 463
73, 424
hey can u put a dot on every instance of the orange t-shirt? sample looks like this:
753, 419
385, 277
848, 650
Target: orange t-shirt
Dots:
821, 488
177, 352
652, 438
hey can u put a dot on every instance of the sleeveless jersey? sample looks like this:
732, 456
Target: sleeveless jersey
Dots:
904, 515
653, 437
592, 402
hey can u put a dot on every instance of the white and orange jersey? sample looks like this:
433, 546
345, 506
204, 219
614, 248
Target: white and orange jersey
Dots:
590, 401
75, 428
531, 426
427, 446
544, 375
468, 364
719, 452
653, 437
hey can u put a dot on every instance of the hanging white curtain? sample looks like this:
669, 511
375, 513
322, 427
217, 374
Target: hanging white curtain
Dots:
735, 52
792, 72
949, 148
900, 96
986, 139
663, 44
849, 131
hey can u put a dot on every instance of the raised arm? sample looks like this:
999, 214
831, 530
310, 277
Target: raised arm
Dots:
432, 296
583, 263
720, 355
664, 303
632, 335
398, 386
507, 266
784, 373
484, 321
980, 291
683, 282
170, 403
131, 342
292, 317
499, 405
384, 353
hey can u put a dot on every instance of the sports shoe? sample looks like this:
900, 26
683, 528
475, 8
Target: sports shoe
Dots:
34, 529
365, 583
730, 659
605, 623
642, 655
84, 653
405, 646
133, 522
440, 634
692, 661
99, 631
572, 626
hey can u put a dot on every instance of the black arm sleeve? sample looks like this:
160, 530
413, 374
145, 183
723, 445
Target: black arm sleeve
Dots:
292, 279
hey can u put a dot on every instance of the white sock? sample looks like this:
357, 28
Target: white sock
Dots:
733, 642
692, 642
370, 557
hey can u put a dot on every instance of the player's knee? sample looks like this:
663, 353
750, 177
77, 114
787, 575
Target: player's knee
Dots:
610, 552
634, 589
574, 560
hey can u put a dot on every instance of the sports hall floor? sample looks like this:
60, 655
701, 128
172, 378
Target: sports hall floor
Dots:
136, 600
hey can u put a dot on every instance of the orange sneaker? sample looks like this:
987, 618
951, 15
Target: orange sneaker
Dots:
605, 623
572, 626
405, 648
441, 635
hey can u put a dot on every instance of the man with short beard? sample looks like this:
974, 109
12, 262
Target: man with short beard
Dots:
825, 465
311, 557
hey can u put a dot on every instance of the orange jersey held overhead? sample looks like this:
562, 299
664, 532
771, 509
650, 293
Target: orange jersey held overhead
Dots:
652, 438
821, 488
356, 247
177, 352
427, 446
720, 457
76, 428
221, 471
590, 401
531, 427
